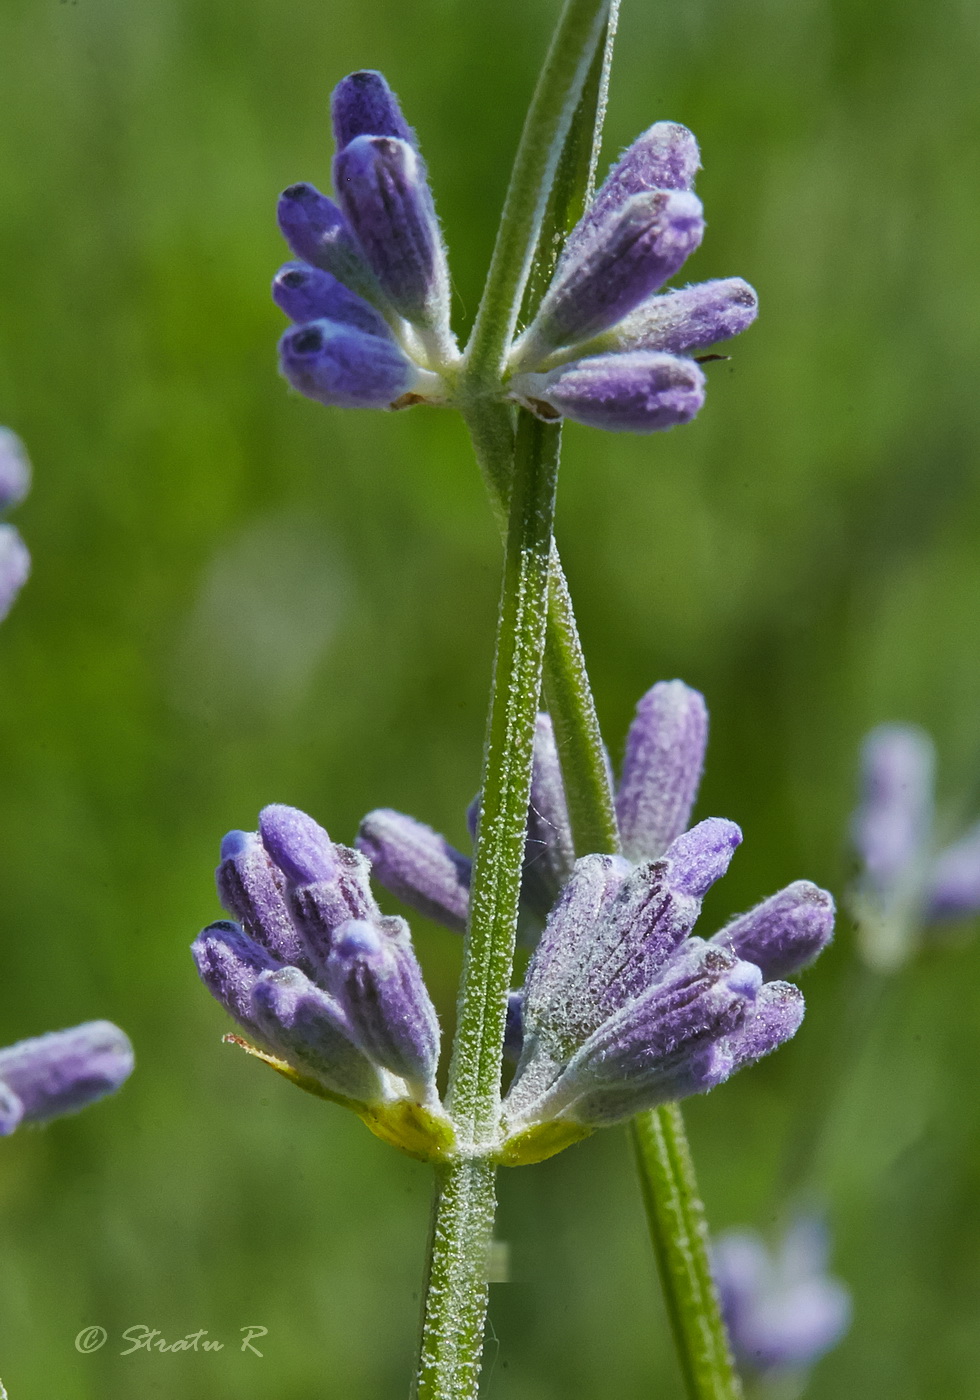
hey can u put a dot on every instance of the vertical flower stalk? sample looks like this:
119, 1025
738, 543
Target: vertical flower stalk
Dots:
456, 1293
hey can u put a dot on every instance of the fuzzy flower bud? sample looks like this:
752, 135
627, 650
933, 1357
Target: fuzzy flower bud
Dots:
61, 1072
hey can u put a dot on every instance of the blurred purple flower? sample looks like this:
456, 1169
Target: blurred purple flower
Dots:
904, 885
15, 482
782, 1308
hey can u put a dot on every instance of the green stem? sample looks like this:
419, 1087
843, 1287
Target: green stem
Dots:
456, 1291
557, 95
679, 1233
474, 1077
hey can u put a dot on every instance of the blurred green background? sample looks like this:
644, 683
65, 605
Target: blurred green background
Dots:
240, 597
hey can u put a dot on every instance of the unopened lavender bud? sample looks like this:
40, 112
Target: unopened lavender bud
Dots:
15, 470
662, 768
229, 963
701, 856
344, 368
556, 971
549, 852
15, 567
64, 1071
382, 187
307, 293
892, 824
702, 996
781, 1307
311, 1031
785, 932
641, 391
775, 1017
318, 233
299, 846
418, 865
664, 157
375, 976
954, 881
252, 889
362, 104
686, 320
632, 253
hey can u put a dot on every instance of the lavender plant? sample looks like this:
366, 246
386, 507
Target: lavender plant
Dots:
623, 1010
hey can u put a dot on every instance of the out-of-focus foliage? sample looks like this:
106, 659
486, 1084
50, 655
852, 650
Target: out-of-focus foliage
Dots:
239, 597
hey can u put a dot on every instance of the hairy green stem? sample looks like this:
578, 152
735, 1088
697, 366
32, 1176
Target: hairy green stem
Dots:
574, 45
679, 1233
456, 1290
474, 1077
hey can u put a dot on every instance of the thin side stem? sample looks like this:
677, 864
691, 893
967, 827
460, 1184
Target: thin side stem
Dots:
679, 1233
556, 97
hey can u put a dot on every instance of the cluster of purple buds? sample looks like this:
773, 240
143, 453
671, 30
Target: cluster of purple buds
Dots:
622, 1008
323, 983
906, 885
61, 1072
782, 1308
370, 292
15, 482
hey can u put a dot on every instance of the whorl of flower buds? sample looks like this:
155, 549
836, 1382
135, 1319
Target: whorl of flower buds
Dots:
370, 292
313, 971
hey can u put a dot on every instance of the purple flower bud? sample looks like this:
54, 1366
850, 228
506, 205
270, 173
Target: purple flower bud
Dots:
344, 368
312, 1033
363, 104
641, 391
641, 1054
373, 972
15, 567
631, 254
774, 1018
664, 157
15, 470
954, 881
782, 1309
63, 1071
662, 768
549, 852
381, 184
785, 932
687, 319
299, 846
701, 856
253, 889
229, 963
319, 909
891, 827
418, 865
308, 293
318, 233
